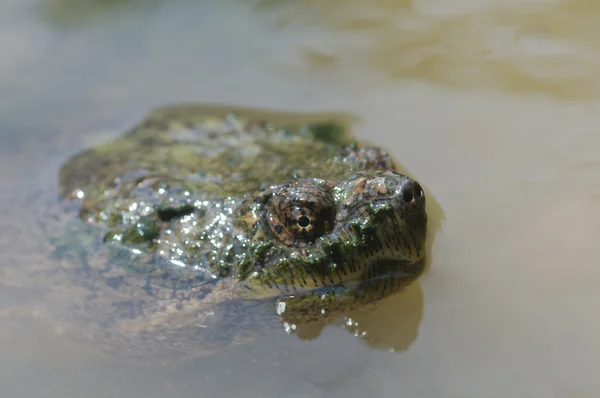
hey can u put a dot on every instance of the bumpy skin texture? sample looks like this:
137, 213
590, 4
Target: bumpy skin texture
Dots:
209, 209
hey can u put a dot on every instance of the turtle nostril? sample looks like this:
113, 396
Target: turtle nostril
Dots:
411, 191
407, 195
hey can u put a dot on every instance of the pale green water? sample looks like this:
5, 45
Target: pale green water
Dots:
493, 105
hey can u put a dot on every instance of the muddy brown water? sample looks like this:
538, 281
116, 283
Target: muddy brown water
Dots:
493, 105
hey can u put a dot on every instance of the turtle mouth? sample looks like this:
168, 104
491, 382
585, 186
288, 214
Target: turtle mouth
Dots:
392, 268
397, 236
389, 241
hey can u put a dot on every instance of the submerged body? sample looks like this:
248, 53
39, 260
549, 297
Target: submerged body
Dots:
202, 209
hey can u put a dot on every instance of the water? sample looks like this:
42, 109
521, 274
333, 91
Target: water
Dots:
493, 105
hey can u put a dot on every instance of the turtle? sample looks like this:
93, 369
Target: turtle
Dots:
199, 228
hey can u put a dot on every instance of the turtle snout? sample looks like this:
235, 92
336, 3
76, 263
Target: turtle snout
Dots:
410, 195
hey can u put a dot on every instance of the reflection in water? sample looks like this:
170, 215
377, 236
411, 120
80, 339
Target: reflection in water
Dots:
391, 324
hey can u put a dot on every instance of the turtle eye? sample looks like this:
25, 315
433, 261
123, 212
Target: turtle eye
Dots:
300, 213
304, 221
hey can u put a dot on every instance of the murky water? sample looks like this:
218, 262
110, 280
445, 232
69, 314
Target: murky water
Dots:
493, 105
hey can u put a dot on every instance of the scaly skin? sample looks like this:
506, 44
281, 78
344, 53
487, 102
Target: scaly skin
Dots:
299, 212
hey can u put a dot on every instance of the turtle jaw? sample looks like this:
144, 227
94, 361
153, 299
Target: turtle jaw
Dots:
396, 247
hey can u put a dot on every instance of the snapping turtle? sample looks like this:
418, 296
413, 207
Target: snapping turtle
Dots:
211, 228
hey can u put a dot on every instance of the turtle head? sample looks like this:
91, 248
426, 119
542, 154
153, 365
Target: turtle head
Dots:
312, 233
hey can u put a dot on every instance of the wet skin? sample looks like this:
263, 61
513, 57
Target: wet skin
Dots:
296, 212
